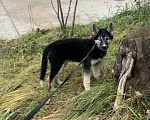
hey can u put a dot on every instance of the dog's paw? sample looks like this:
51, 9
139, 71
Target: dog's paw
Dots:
59, 83
41, 82
87, 88
96, 76
52, 89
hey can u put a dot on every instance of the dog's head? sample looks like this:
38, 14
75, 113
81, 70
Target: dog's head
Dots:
103, 37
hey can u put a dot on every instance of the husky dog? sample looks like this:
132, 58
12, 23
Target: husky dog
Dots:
62, 51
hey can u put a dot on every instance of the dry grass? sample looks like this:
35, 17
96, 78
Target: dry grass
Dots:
19, 78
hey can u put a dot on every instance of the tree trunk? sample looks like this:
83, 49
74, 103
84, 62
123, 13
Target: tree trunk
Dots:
138, 43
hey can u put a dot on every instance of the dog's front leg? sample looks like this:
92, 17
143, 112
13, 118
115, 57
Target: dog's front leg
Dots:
97, 69
86, 80
86, 76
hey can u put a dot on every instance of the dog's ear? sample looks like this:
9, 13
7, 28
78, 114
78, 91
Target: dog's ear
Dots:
110, 29
95, 30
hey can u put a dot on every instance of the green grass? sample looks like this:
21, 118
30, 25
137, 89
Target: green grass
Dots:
20, 68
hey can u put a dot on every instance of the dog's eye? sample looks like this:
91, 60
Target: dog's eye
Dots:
98, 38
107, 38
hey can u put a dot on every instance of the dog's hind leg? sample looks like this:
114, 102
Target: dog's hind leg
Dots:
55, 68
62, 67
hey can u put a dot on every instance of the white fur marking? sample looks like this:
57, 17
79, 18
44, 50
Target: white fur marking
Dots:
94, 61
98, 42
104, 45
58, 80
53, 89
52, 85
41, 82
109, 41
96, 69
86, 81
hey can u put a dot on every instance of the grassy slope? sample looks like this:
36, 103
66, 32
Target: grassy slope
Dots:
19, 77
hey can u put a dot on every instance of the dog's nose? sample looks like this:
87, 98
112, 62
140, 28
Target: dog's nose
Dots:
104, 47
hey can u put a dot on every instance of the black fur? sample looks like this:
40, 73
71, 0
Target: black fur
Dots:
74, 50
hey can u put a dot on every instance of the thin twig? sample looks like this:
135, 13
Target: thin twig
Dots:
58, 17
57, 12
62, 16
74, 14
53, 7
68, 12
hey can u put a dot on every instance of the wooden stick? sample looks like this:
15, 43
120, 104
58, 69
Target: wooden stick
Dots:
122, 81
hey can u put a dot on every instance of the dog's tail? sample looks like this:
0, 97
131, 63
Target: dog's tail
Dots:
44, 64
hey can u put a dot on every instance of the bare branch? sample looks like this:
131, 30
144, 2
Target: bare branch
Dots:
53, 7
68, 12
61, 12
58, 14
75, 8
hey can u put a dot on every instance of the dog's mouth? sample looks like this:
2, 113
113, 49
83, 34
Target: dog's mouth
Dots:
103, 49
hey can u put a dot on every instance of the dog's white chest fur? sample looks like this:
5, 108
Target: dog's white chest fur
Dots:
95, 61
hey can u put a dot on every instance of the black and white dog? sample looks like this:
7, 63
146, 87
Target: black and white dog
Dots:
62, 51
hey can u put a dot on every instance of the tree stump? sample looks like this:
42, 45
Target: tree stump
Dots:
137, 43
